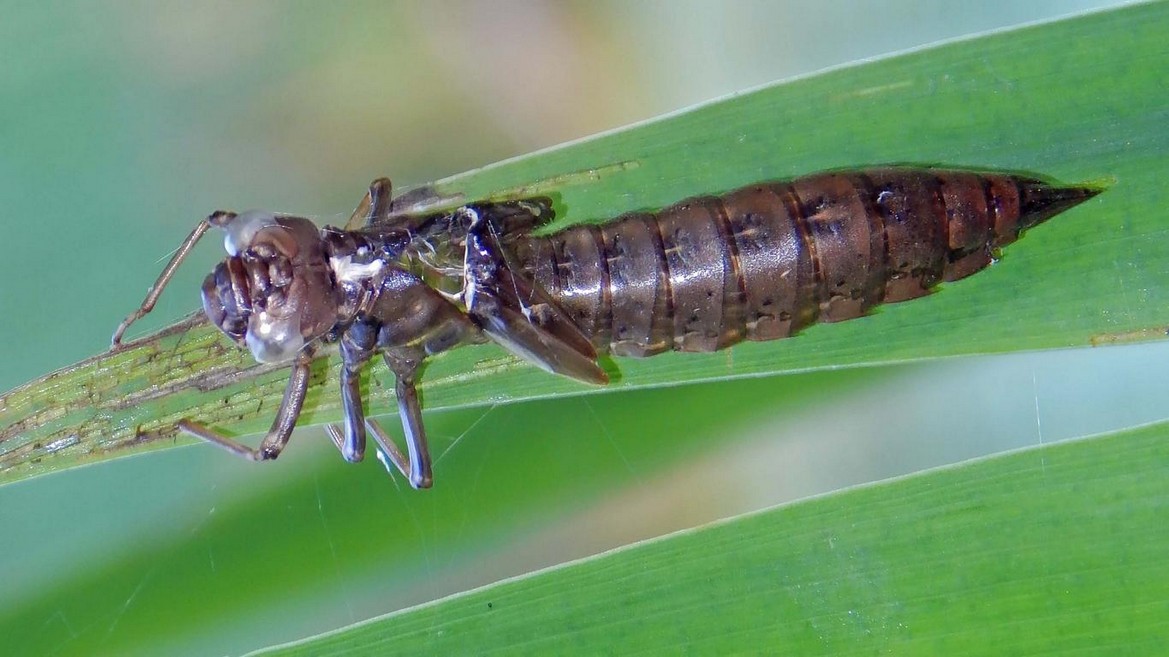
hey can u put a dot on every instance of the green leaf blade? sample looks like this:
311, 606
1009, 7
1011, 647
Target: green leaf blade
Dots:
989, 557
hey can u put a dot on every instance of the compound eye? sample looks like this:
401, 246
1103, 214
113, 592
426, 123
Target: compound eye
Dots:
212, 304
220, 303
239, 232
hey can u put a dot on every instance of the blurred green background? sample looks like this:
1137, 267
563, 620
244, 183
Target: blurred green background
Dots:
124, 123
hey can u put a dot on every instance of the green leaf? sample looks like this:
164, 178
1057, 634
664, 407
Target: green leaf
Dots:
1055, 99
223, 554
991, 557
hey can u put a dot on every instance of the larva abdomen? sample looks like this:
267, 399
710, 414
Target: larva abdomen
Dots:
763, 261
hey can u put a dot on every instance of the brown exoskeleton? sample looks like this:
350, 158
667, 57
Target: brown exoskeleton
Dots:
757, 263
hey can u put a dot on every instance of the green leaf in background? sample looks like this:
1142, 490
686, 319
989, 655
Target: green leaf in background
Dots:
985, 558
225, 556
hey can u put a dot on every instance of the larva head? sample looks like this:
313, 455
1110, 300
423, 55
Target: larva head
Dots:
274, 292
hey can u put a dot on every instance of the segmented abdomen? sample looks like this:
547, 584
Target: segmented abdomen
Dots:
764, 261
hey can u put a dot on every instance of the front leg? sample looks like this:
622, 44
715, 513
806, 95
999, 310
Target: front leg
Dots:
217, 219
282, 426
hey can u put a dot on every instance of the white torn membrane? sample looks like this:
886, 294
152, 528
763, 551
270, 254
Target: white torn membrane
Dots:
273, 339
239, 232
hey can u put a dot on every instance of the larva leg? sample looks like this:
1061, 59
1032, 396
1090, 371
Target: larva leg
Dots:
376, 204
415, 464
282, 426
356, 348
217, 219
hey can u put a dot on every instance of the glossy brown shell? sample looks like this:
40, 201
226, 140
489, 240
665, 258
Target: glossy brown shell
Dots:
763, 261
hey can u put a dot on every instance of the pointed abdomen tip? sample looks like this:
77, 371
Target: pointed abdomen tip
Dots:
1039, 201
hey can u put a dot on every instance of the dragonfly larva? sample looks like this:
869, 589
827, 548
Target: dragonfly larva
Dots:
757, 263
